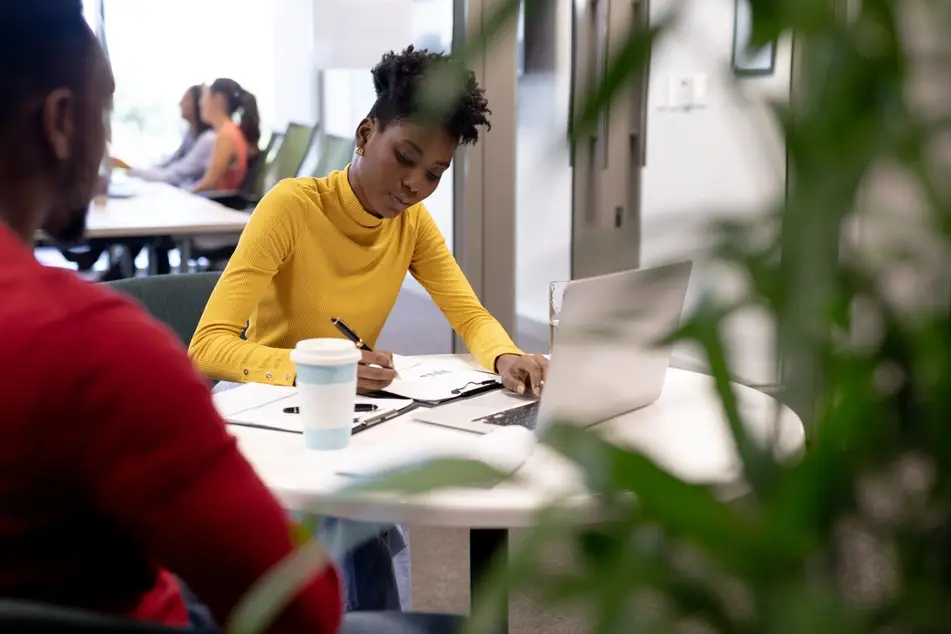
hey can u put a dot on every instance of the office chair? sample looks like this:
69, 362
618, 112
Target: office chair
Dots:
335, 154
252, 187
175, 300
296, 143
24, 617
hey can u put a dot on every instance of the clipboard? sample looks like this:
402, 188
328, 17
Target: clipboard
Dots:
363, 425
264, 407
382, 417
472, 388
437, 382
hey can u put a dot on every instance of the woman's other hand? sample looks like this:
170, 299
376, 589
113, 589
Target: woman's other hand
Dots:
375, 371
523, 374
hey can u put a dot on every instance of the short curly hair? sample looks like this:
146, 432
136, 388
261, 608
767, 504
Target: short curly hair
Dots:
398, 79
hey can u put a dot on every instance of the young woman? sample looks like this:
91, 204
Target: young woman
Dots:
184, 168
190, 161
233, 143
341, 246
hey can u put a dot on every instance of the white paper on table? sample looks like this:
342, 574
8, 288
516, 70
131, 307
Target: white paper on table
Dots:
433, 381
249, 396
263, 406
401, 362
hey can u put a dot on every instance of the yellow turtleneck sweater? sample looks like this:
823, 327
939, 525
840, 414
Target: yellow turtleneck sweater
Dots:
310, 252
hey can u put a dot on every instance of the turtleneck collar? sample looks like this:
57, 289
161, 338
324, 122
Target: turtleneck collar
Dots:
353, 210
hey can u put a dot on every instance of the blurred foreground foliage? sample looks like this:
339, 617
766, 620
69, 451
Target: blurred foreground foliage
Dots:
854, 535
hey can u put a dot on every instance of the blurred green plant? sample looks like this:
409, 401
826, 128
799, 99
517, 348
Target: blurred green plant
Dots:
854, 536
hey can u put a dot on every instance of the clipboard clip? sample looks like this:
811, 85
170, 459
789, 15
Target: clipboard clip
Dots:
483, 386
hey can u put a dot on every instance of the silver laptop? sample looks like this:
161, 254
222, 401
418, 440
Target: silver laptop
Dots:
606, 357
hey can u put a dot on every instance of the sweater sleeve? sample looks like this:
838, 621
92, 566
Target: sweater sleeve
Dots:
157, 460
186, 168
436, 269
268, 240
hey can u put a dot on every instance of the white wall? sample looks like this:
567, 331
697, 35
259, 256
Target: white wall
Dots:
294, 77
725, 158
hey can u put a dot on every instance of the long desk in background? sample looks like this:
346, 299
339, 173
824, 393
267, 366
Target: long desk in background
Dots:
159, 210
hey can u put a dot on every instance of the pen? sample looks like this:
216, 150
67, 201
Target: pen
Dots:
360, 408
349, 333
373, 421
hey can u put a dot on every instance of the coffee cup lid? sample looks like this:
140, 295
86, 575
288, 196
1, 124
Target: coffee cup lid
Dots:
325, 352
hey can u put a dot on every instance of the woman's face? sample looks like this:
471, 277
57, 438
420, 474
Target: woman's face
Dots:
210, 104
187, 105
401, 165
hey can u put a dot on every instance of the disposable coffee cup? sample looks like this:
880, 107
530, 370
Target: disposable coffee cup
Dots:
327, 390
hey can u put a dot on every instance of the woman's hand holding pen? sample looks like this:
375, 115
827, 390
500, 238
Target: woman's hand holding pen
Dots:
375, 371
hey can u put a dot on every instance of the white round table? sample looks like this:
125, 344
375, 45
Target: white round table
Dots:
684, 431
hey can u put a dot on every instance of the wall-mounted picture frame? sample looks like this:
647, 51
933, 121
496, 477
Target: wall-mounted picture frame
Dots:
749, 62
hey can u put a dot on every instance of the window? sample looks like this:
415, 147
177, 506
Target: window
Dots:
158, 48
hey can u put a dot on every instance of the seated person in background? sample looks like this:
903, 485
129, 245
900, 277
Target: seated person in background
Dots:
234, 144
341, 247
183, 169
117, 470
190, 161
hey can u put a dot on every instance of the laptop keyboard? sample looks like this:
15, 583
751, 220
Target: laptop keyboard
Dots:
523, 415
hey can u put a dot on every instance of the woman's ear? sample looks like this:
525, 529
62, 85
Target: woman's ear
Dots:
364, 133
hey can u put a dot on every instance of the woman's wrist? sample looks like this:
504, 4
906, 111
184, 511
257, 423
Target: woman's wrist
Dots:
503, 361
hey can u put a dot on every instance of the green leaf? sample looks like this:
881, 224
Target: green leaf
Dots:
691, 510
267, 598
445, 83
272, 593
443, 473
759, 467
629, 63
506, 574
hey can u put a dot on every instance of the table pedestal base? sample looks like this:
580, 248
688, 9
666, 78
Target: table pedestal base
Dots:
485, 544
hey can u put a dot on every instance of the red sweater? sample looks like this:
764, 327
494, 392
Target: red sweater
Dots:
115, 467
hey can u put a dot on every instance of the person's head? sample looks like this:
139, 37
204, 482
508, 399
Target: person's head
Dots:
402, 153
225, 97
56, 88
191, 109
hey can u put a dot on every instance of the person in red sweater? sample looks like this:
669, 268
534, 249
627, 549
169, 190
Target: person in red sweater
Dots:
115, 469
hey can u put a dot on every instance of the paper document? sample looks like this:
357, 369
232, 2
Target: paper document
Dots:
259, 405
433, 380
401, 362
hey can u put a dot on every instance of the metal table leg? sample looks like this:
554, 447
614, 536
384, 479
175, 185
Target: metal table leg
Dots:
485, 544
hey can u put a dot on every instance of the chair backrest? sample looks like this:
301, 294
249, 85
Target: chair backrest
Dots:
334, 155
22, 617
256, 166
291, 153
265, 164
175, 300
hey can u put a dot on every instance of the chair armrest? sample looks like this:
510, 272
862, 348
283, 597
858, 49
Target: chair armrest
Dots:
23, 616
